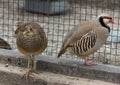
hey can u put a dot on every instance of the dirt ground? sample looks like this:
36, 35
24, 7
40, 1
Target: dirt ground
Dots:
11, 75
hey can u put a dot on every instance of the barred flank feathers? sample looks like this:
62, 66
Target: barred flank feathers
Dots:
85, 43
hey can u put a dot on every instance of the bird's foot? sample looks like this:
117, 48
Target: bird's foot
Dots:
89, 63
26, 75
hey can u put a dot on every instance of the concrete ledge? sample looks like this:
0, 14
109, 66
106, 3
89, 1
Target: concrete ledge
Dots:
63, 66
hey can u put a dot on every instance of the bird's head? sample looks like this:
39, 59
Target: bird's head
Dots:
29, 31
105, 19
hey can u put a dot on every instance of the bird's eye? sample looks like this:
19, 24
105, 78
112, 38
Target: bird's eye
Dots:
30, 29
110, 18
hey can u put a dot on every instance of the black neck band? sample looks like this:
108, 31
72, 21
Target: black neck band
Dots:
103, 24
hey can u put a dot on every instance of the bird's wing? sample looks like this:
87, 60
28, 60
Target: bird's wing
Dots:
76, 33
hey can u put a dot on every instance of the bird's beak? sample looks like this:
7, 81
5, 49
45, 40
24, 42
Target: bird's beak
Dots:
112, 21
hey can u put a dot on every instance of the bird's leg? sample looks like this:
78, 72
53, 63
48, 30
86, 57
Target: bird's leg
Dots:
33, 64
88, 63
28, 71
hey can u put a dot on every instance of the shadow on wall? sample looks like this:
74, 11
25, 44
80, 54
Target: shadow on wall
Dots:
110, 4
47, 6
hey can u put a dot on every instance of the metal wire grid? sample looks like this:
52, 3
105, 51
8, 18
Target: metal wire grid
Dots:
56, 26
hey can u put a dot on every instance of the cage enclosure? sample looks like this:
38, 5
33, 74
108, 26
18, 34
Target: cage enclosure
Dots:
56, 28
47, 6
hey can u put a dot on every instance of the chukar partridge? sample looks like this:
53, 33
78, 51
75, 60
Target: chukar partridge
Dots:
87, 37
31, 41
4, 44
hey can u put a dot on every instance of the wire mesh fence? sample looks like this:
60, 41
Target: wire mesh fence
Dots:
58, 25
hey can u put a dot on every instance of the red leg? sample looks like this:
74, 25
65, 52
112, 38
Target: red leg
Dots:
88, 63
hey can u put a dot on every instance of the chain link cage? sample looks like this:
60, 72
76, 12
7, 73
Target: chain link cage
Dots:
57, 17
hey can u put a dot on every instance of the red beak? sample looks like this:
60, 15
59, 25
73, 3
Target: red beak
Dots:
112, 21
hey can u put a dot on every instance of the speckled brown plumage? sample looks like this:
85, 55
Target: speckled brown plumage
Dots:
31, 40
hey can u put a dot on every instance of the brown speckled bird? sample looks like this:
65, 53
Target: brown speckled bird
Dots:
31, 41
4, 44
87, 37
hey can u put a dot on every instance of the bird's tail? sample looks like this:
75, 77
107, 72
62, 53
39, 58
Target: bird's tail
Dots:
62, 51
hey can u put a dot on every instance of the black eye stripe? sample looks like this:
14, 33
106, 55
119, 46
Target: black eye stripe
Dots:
30, 29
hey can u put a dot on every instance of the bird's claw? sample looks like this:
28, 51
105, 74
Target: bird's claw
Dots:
89, 64
26, 75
